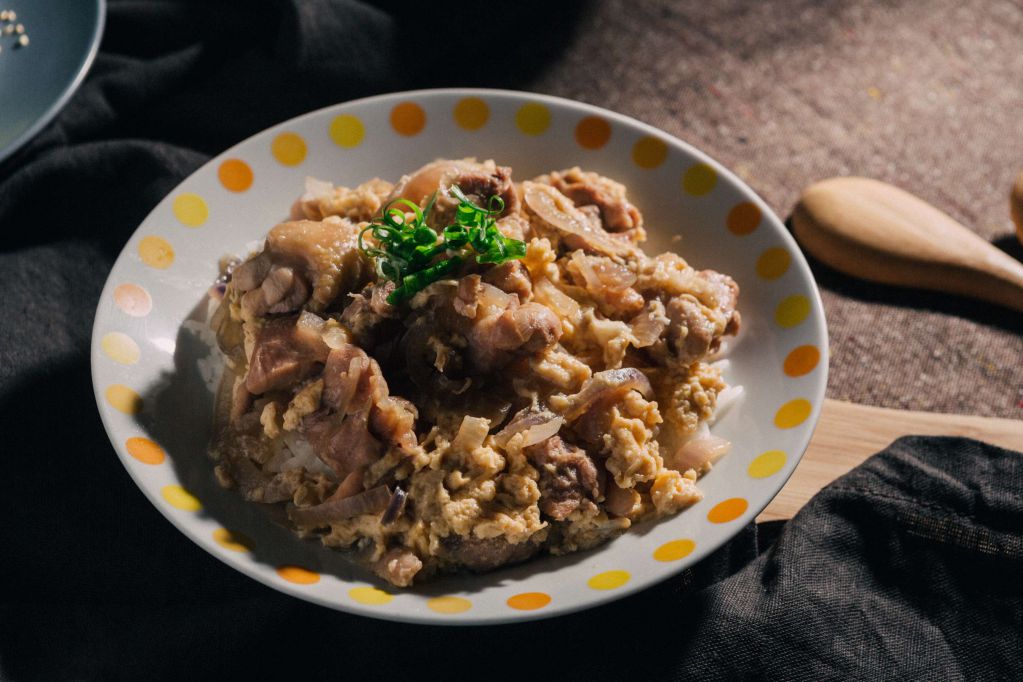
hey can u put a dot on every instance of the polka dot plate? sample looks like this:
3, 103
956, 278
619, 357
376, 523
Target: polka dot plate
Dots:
155, 368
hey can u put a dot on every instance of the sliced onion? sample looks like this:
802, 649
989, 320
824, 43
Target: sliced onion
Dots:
561, 303
471, 434
542, 432
611, 381
649, 325
335, 337
395, 507
698, 453
372, 501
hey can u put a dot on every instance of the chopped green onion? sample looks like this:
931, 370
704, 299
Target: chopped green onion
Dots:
409, 248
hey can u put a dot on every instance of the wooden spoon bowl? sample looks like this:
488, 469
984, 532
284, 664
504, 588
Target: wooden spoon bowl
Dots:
870, 229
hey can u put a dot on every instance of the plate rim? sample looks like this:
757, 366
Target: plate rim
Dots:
703, 550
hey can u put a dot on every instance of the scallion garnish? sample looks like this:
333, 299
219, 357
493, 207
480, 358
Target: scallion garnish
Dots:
411, 254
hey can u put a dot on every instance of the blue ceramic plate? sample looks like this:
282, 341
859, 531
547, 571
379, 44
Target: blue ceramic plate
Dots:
37, 80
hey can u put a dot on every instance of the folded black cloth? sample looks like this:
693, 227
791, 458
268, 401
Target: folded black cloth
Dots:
908, 568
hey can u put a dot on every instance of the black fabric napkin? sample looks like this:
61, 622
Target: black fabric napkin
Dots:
908, 568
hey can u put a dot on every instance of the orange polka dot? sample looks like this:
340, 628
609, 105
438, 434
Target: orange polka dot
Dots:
471, 113
235, 175
609, 580
592, 132
298, 575
408, 119
156, 252
449, 604
232, 540
123, 399
801, 360
144, 450
792, 311
649, 152
533, 118
743, 218
699, 180
767, 464
773, 263
793, 413
529, 601
729, 510
133, 300
674, 550
289, 149
370, 596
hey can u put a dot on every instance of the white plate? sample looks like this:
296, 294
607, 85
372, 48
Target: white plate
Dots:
154, 368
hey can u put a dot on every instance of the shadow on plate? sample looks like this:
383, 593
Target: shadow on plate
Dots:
178, 414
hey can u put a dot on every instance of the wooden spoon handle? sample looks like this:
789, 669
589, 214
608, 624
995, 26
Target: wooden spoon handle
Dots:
870, 229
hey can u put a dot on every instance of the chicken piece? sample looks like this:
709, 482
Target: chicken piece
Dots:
608, 283
485, 555
303, 262
285, 353
397, 566
527, 329
512, 278
369, 316
478, 181
554, 216
617, 214
568, 477
343, 443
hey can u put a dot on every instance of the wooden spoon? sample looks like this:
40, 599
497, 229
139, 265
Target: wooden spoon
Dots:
1016, 206
870, 229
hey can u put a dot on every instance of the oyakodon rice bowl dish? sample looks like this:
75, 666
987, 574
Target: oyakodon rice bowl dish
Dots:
462, 371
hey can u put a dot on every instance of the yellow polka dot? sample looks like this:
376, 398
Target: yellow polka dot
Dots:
156, 252
529, 601
449, 604
133, 300
471, 113
144, 450
743, 219
190, 209
793, 413
179, 498
674, 550
773, 263
298, 575
699, 180
347, 131
236, 542
791, 311
408, 119
592, 132
120, 348
369, 595
767, 464
533, 118
649, 152
801, 360
289, 149
608, 580
124, 399
729, 510
235, 175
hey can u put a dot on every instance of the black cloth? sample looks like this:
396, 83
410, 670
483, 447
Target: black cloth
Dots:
907, 568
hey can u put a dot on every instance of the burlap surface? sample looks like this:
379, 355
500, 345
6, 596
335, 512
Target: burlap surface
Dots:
925, 95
